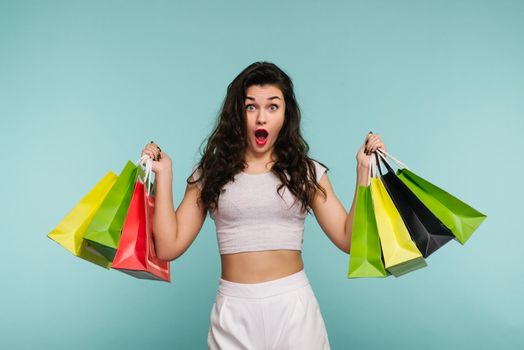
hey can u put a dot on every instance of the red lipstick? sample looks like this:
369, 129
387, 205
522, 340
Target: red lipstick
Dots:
261, 136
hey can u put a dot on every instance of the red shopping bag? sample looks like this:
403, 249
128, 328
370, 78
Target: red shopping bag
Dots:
136, 251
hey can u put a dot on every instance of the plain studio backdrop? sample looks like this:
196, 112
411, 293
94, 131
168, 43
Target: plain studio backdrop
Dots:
84, 85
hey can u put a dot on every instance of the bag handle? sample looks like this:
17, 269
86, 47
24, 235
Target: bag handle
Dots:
384, 154
373, 165
380, 157
372, 171
147, 165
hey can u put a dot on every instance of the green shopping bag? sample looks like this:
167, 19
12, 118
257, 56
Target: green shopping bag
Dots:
365, 258
456, 215
103, 233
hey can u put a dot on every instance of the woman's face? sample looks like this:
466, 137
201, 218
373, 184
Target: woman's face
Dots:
265, 113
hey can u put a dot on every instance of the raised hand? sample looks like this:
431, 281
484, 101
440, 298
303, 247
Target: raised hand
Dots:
161, 161
370, 145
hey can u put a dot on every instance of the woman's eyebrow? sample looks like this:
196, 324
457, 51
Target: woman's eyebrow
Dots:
269, 98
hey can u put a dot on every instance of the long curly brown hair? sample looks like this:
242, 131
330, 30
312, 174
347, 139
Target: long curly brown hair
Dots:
224, 153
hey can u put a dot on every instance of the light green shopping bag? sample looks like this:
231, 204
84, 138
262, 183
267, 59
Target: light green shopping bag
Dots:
365, 258
103, 233
456, 215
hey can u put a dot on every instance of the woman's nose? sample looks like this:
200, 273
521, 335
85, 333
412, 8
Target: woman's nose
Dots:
261, 117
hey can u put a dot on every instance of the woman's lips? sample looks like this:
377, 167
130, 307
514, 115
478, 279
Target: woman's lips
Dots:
261, 142
263, 136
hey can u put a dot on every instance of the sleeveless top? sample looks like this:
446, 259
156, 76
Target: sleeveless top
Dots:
251, 215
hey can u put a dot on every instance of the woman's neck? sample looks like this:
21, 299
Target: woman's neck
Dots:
259, 164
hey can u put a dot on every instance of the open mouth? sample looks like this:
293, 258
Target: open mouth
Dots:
261, 136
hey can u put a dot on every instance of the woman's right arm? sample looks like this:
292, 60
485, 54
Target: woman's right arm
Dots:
173, 230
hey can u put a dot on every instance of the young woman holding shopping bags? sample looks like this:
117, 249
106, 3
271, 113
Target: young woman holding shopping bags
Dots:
258, 184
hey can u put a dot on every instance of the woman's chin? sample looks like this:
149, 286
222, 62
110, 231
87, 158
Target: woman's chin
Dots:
258, 148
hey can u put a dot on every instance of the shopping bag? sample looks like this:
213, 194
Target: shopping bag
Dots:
103, 233
68, 233
365, 258
458, 216
401, 254
136, 254
426, 230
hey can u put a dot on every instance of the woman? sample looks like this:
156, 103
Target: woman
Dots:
258, 184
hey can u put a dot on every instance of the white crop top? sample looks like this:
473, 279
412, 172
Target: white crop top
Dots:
253, 217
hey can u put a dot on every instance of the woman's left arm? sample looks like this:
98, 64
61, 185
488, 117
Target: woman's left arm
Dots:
329, 212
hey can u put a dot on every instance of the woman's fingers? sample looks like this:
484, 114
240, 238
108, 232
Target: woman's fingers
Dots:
368, 138
152, 150
147, 152
373, 143
369, 144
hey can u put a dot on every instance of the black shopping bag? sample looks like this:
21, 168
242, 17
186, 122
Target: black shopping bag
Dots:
426, 230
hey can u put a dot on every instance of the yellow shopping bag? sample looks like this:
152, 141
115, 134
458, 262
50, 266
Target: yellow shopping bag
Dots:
401, 255
68, 233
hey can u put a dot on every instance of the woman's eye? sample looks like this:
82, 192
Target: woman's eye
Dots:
250, 107
273, 107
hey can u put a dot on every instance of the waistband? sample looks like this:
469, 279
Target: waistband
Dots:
263, 289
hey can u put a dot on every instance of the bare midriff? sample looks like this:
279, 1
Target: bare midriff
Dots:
260, 266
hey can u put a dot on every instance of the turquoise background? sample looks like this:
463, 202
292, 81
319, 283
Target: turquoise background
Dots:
84, 85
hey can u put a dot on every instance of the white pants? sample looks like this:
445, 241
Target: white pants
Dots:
273, 315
